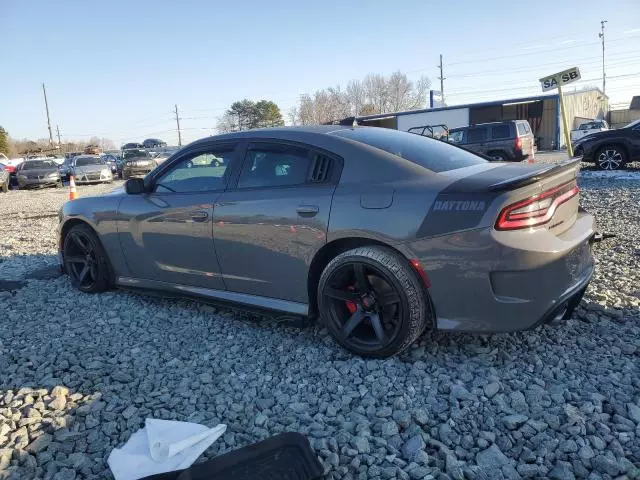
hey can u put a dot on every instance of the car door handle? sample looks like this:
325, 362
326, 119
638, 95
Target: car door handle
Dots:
199, 216
308, 210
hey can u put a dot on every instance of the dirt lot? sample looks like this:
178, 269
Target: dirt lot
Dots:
80, 373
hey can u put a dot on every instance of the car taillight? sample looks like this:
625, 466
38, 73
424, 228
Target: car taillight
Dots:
519, 143
536, 210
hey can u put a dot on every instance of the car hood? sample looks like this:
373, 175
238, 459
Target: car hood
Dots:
91, 168
38, 171
116, 191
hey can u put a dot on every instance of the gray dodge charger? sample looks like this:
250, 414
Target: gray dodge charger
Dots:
381, 234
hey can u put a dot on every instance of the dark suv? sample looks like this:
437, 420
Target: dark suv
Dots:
510, 141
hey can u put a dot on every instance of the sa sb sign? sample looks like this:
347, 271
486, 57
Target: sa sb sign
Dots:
560, 79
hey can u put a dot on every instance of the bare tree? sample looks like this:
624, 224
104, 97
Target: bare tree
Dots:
376, 88
375, 94
356, 96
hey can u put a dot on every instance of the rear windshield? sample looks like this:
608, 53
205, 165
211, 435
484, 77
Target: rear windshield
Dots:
435, 155
36, 164
82, 161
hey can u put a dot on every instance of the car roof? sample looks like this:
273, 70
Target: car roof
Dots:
276, 132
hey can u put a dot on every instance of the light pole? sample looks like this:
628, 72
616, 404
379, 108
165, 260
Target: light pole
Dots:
601, 35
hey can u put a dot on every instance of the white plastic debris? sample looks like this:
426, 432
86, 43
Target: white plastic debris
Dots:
162, 446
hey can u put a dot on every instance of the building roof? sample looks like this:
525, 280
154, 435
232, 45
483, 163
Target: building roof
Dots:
543, 96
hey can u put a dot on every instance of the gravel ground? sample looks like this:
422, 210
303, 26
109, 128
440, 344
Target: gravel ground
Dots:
80, 373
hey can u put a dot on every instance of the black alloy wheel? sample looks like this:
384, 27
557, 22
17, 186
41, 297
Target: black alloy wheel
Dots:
85, 260
371, 302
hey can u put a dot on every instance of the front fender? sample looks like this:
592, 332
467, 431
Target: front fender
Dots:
101, 214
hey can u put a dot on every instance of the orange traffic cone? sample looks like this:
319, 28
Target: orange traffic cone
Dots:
73, 194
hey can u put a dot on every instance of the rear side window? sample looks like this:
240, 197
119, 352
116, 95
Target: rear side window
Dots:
500, 131
523, 128
476, 135
274, 165
435, 155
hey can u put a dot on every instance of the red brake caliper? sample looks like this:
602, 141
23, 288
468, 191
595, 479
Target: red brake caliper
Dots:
351, 305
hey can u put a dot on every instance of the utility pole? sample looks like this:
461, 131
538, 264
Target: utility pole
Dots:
178, 123
58, 134
601, 35
441, 78
46, 106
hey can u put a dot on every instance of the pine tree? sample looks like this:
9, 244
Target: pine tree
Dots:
4, 141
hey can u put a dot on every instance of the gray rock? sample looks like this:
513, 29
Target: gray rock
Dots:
412, 446
492, 457
59, 391
491, 389
65, 474
514, 421
568, 446
634, 412
389, 429
527, 470
40, 443
58, 403
605, 464
562, 471
361, 444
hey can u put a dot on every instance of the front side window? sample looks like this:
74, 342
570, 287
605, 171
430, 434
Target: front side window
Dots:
274, 165
199, 172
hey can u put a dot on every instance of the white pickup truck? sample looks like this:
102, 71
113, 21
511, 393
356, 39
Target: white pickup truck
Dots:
588, 128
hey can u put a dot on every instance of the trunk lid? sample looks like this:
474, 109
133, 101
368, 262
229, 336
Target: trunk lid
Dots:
527, 188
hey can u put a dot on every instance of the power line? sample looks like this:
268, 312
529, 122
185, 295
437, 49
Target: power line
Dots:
530, 54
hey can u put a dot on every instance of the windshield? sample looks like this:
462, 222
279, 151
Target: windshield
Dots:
82, 161
434, 155
37, 164
137, 154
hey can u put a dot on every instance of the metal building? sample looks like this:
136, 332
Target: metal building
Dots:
541, 111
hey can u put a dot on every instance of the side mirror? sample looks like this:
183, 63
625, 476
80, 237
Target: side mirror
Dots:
134, 186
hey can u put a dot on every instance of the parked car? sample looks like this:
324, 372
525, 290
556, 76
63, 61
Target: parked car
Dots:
588, 128
5, 178
112, 161
611, 149
153, 143
90, 169
137, 163
65, 168
510, 141
38, 173
129, 146
381, 233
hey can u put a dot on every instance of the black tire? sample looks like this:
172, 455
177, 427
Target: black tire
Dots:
611, 157
379, 315
498, 156
85, 260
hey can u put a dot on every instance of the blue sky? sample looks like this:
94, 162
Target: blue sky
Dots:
115, 69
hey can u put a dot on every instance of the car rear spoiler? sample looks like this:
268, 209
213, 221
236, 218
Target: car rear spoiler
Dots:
532, 177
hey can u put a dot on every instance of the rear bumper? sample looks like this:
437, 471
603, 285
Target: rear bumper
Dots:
482, 283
